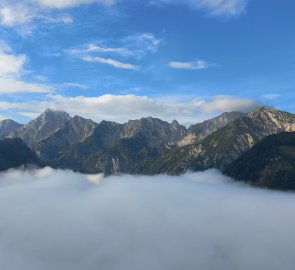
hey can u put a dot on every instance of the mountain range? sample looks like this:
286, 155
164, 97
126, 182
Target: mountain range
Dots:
148, 145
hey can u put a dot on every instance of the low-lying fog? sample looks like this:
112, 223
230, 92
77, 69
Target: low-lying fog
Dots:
65, 221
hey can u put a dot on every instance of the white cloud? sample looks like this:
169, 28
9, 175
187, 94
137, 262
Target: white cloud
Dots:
141, 44
121, 108
75, 85
10, 65
213, 7
21, 13
108, 61
11, 70
61, 220
229, 103
133, 46
13, 86
15, 14
65, 18
94, 48
197, 65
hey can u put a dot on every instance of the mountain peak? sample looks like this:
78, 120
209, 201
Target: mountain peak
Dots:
7, 127
262, 109
175, 123
6, 122
268, 112
41, 127
53, 112
48, 110
50, 115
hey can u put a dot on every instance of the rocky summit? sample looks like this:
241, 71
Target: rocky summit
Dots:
8, 127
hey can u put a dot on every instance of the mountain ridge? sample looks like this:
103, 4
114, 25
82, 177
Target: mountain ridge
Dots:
149, 145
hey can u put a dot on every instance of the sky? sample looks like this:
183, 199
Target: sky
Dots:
124, 59
67, 221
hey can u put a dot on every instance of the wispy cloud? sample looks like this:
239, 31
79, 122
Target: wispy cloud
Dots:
71, 3
132, 46
64, 18
75, 85
13, 86
197, 65
108, 61
141, 44
20, 14
94, 48
213, 7
271, 96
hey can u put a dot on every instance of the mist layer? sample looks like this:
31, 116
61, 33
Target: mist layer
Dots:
63, 220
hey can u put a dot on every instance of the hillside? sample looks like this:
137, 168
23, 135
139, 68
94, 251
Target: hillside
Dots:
15, 153
270, 163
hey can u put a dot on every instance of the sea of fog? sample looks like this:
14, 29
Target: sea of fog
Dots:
66, 221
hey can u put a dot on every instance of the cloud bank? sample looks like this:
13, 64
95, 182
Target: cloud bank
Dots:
121, 108
61, 220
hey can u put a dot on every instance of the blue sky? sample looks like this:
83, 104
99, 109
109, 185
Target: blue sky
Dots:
121, 59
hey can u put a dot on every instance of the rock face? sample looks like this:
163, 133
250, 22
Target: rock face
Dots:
270, 163
15, 153
156, 131
7, 127
75, 130
202, 130
42, 127
273, 121
115, 148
